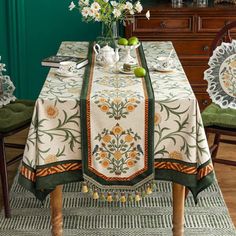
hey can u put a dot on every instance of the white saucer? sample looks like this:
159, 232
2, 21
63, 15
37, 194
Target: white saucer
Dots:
66, 74
161, 69
126, 72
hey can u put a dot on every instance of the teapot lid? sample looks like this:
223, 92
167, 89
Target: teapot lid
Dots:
107, 48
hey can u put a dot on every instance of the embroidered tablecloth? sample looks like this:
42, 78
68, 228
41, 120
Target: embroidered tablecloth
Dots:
53, 151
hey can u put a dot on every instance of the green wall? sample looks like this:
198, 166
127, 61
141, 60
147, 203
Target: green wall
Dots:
33, 30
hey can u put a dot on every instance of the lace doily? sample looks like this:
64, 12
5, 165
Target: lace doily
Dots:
221, 76
8, 89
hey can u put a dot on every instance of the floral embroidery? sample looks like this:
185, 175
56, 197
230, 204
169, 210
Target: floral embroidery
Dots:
52, 112
118, 82
176, 155
157, 118
50, 159
227, 78
117, 151
114, 106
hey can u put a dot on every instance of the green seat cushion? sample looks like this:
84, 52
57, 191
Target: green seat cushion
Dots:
15, 114
213, 115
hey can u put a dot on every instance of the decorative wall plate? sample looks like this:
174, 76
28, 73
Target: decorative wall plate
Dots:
221, 75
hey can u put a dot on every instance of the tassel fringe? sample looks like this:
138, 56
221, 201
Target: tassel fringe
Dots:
122, 197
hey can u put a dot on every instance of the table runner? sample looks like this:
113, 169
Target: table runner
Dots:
117, 130
53, 151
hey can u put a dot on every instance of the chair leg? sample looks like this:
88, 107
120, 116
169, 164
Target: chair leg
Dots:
216, 144
3, 172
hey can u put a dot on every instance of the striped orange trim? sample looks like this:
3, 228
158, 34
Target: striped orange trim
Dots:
176, 166
191, 170
28, 174
58, 169
205, 171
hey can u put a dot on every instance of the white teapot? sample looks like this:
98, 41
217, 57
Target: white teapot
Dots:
106, 56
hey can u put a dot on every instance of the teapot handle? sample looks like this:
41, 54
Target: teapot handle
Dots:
96, 48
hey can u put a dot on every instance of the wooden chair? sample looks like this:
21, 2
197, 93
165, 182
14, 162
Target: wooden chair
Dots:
222, 36
14, 117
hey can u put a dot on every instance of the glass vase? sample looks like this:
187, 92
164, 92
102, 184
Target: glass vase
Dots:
109, 34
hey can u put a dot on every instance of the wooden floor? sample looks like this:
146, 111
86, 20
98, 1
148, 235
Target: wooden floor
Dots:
226, 175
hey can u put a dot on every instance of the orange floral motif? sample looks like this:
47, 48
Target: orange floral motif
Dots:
117, 100
133, 154
52, 112
130, 163
117, 129
227, 84
50, 158
102, 99
117, 155
233, 64
132, 100
157, 118
130, 107
118, 149
106, 138
105, 163
104, 108
103, 155
226, 76
128, 138
176, 155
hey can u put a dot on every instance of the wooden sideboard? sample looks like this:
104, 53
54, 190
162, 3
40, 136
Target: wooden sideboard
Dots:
191, 28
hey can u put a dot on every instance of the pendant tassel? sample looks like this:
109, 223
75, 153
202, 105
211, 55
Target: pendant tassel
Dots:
149, 189
123, 198
137, 197
85, 188
95, 195
109, 197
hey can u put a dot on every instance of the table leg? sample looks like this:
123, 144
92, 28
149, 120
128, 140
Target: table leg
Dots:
56, 211
178, 209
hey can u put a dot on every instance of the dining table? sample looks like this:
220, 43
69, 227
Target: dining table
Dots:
54, 153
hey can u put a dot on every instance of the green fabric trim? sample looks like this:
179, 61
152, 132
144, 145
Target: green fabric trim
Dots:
190, 181
51, 181
213, 115
151, 112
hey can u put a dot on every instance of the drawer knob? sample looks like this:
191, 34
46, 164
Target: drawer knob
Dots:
163, 24
206, 48
205, 102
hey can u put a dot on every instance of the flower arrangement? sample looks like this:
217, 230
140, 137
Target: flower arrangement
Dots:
107, 11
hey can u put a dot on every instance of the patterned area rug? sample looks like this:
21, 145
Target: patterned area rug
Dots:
86, 217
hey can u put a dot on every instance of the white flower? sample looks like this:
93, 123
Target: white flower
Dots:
131, 12
106, 1
91, 12
84, 2
97, 16
85, 12
129, 6
116, 13
148, 14
114, 3
138, 7
95, 6
72, 6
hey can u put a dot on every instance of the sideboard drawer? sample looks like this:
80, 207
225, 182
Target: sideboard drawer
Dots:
203, 100
213, 23
164, 24
194, 72
192, 48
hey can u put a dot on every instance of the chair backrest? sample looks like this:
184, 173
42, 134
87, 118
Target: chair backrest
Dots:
222, 36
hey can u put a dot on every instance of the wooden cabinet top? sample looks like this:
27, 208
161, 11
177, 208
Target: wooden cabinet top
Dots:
188, 5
